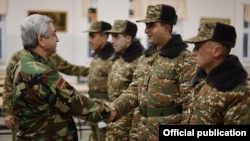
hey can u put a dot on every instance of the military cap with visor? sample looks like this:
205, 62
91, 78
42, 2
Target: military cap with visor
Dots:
215, 31
160, 13
99, 26
123, 27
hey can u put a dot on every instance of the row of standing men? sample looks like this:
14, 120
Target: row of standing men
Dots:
132, 89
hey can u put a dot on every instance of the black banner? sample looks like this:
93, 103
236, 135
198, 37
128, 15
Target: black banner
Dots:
202, 132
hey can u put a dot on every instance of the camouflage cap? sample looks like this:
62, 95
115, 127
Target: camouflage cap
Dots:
160, 12
124, 27
215, 31
99, 26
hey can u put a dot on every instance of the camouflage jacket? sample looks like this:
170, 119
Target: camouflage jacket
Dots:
122, 70
222, 96
161, 81
56, 61
99, 70
119, 79
44, 102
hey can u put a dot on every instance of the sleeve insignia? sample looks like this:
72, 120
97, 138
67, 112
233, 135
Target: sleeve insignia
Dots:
60, 82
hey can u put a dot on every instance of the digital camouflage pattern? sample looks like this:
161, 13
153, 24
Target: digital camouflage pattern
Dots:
120, 77
119, 26
44, 102
215, 31
206, 32
153, 14
56, 61
161, 80
99, 70
133, 130
99, 26
97, 79
124, 27
222, 97
160, 13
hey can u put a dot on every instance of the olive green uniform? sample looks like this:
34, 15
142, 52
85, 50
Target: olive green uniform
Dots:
44, 103
56, 62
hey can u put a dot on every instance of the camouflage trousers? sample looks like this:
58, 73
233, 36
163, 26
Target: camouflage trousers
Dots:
120, 129
133, 131
14, 132
98, 134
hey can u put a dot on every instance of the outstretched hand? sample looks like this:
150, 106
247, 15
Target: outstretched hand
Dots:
9, 121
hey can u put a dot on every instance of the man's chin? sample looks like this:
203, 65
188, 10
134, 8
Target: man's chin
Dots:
197, 65
52, 52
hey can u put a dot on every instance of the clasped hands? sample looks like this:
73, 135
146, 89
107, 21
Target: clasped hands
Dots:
113, 113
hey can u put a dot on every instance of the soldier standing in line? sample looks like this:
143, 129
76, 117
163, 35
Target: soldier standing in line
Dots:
128, 50
56, 61
160, 85
43, 102
99, 70
221, 92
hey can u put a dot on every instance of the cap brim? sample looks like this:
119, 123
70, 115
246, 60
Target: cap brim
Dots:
148, 20
195, 39
112, 31
91, 31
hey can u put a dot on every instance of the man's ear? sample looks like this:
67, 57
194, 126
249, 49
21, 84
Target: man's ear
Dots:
168, 27
129, 38
217, 50
104, 36
40, 40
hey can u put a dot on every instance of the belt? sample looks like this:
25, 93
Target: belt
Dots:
98, 95
151, 112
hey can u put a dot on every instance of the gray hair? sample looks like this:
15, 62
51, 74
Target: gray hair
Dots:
33, 26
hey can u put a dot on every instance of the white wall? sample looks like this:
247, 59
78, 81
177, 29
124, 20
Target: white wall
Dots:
206, 8
231, 9
18, 10
73, 44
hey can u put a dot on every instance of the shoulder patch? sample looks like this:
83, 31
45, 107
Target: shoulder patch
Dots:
60, 82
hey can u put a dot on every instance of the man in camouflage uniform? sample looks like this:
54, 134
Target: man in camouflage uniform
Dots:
221, 92
99, 69
43, 101
160, 85
56, 61
128, 50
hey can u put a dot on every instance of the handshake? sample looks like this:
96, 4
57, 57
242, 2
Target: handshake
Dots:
112, 113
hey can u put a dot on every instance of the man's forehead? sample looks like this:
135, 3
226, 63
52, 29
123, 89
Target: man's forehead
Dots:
115, 34
51, 29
